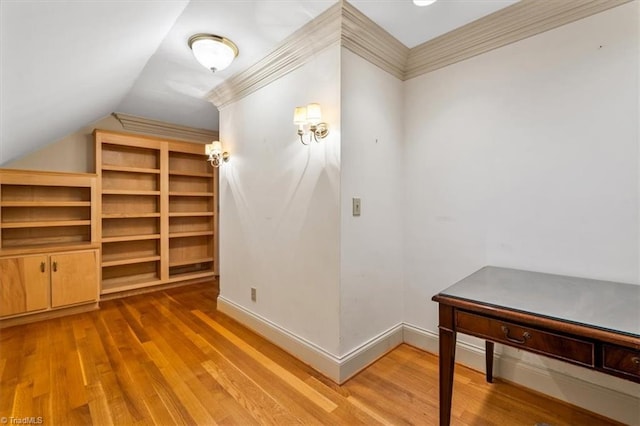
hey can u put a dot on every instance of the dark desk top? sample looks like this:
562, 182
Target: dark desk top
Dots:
601, 304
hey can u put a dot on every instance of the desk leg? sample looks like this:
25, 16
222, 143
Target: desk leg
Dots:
489, 360
447, 360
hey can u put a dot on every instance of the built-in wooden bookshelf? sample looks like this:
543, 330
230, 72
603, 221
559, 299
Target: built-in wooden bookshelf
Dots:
48, 243
192, 219
46, 210
158, 211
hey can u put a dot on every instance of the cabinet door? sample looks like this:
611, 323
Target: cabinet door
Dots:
74, 278
24, 284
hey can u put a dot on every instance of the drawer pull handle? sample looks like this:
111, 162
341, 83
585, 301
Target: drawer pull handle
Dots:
636, 360
55, 266
42, 266
525, 336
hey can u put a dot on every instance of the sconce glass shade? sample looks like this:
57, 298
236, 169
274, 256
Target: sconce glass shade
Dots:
300, 116
214, 151
213, 148
213, 52
309, 122
314, 114
423, 2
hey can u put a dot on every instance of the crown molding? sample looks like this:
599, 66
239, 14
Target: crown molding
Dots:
293, 52
370, 41
343, 23
509, 25
161, 128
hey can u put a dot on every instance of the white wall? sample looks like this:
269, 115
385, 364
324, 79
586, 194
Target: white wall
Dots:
280, 205
74, 153
525, 157
371, 161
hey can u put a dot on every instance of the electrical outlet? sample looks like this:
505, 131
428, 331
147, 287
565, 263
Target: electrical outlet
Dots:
356, 206
253, 294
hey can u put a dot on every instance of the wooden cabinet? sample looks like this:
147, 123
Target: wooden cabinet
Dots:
24, 285
45, 282
158, 211
48, 243
74, 278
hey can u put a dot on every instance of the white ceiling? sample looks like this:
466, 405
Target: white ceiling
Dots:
414, 25
65, 64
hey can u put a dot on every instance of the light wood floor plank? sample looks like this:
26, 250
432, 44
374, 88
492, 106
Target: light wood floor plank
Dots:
189, 357
279, 389
169, 358
98, 404
169, 370
251, 397
270, 365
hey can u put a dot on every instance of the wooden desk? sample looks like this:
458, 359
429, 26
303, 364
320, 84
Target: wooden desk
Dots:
594, 324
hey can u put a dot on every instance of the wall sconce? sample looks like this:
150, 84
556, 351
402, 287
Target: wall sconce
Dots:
215, 153
310, 115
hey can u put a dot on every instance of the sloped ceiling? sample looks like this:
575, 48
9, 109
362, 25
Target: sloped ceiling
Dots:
173, 85
65, 64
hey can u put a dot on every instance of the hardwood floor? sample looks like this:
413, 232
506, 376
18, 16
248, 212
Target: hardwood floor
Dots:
169, 358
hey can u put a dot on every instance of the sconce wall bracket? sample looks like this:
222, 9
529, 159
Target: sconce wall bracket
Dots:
310, 116
217, 159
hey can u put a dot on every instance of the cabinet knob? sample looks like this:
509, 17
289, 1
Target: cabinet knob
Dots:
55, 266
42, 267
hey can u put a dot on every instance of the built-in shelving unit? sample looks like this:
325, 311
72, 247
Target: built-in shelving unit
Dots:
192, 220
48, 244
158, 211
46, 210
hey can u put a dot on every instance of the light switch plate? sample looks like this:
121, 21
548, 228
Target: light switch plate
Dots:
356, 206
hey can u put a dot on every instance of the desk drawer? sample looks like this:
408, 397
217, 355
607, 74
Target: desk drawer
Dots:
621, 360
527, 338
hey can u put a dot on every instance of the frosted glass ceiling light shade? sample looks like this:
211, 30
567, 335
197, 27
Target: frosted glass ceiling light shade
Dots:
213, 52
423, 2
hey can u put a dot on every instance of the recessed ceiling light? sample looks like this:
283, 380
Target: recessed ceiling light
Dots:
423, 2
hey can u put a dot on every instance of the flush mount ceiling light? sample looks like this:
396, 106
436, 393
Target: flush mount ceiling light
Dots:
423, 2
213, 52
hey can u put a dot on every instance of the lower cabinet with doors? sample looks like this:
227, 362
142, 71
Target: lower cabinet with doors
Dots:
24, 285
49, 248
45, 283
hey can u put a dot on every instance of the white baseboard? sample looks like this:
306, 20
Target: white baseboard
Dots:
338, 369
466, 354
591, 395
367, 353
